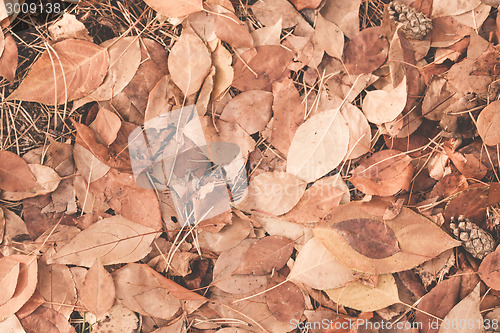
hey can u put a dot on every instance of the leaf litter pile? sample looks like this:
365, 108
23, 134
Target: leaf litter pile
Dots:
220, 166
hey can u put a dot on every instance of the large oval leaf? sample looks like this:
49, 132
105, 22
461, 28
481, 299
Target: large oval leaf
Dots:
319, 145
419, 239
15, 174
114, 240
68, 70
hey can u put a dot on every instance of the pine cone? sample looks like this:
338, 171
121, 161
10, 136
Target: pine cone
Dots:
475, 240
414, 24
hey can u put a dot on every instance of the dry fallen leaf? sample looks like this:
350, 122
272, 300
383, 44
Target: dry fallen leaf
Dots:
114, 240
143, 290
385, 173
286, 301
107, 124
25, 287
419, 240
9, 58
15, 174
273, 193
44, 319
466, 311
80, 69
173, 8
381, 106
268, 254
189, 62
98, 291
329, 37
9, 273
250, 109
259, 68
345, 14
489, 272
47, 180
319, 145
316, 267
230, 29
68, 27
364, 298
488, 124
366, 52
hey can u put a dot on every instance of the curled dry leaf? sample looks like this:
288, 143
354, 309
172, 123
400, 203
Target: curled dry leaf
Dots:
224, 73
268, 254
107, 124
98, 290
9, 58
174, 8
189, 62
489, 271
366, 52
250, 109
114, 240
15, 174
419, 240
316, 267
259, 68
381, 106
47, 180
468, 164
364, 298
141, 289
80, 69
467, 311
228, 237
25, 287
488, 124
385, 173
68, 27
273, 193
371, 238
319, 145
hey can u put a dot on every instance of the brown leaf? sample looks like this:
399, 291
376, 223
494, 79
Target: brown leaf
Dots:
98, 291
268, 254
174, 8
8, 59
345, 14
143, 290
267, 64
273, 193
47, 179
489, 271
467, 311
122, 194
25, 287
367, 51
9, 273
15, 174
189, 62
230, 29
329, 37
285, 302
48, 321
385, 173
56, 285
86, 137
68, 27
107, 124
289, 113
113, 240
419, 239
302, 4
488, 124
80, 69
469, 165
371, 238
250, 109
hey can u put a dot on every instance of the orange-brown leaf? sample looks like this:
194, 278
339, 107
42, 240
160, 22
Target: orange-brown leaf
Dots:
15, 175
79, 69
9, 59
367, 51
98, 291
